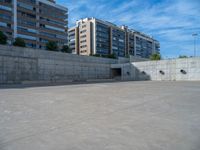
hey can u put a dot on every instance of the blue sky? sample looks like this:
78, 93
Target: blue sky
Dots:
172, 22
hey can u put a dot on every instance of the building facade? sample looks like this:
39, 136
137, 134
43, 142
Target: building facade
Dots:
139, 44
96, 36
73, 36
36, 21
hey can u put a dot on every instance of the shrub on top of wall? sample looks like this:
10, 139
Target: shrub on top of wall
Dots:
52, 46
183, 56
96, 55
112, 56
66, 49
3, 38
19, 42
156, 56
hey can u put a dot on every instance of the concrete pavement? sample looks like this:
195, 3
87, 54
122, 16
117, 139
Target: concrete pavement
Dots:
103, 116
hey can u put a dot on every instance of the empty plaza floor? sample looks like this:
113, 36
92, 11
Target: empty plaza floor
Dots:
103, 116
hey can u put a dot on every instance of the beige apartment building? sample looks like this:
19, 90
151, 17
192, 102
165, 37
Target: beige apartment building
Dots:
85, 38
36, 21
94, 36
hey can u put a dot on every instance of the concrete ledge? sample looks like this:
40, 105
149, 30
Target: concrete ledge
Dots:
25, 84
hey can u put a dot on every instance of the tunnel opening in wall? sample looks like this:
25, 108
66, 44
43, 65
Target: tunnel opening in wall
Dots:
116, 73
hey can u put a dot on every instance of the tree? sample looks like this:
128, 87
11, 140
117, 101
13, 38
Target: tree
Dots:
183, 56
111, 56
52, 46
3, 38
96, 55
19, 42
155, 56
127, 55
66, 49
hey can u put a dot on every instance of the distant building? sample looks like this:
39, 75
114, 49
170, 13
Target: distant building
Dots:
36, 21
73, 36
98, 37
93, 36
139, 44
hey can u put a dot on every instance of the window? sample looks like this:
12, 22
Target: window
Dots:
83, 46
83, 51
83, 31
26, 6
84, 26
24, 14
83, 36
48, 34
31, 1
6, 1
5, 8
121, 40
26, 37
52, 28
44, 9
61, 36
5, 16
25, 22
26, 29
2, 24
83, 41
53, 21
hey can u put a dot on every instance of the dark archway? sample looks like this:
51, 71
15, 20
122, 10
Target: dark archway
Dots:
116, 72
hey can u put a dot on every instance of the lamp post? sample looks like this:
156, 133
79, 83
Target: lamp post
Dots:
195, 36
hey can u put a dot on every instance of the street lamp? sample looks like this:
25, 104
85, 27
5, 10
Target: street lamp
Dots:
195, 36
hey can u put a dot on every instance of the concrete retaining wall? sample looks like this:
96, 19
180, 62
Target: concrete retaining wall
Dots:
169, 70
25, 65
18, 65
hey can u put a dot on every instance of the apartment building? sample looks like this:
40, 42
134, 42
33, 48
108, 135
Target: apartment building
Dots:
139, 44
36, 21
73, 36
101, 37
6, 18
